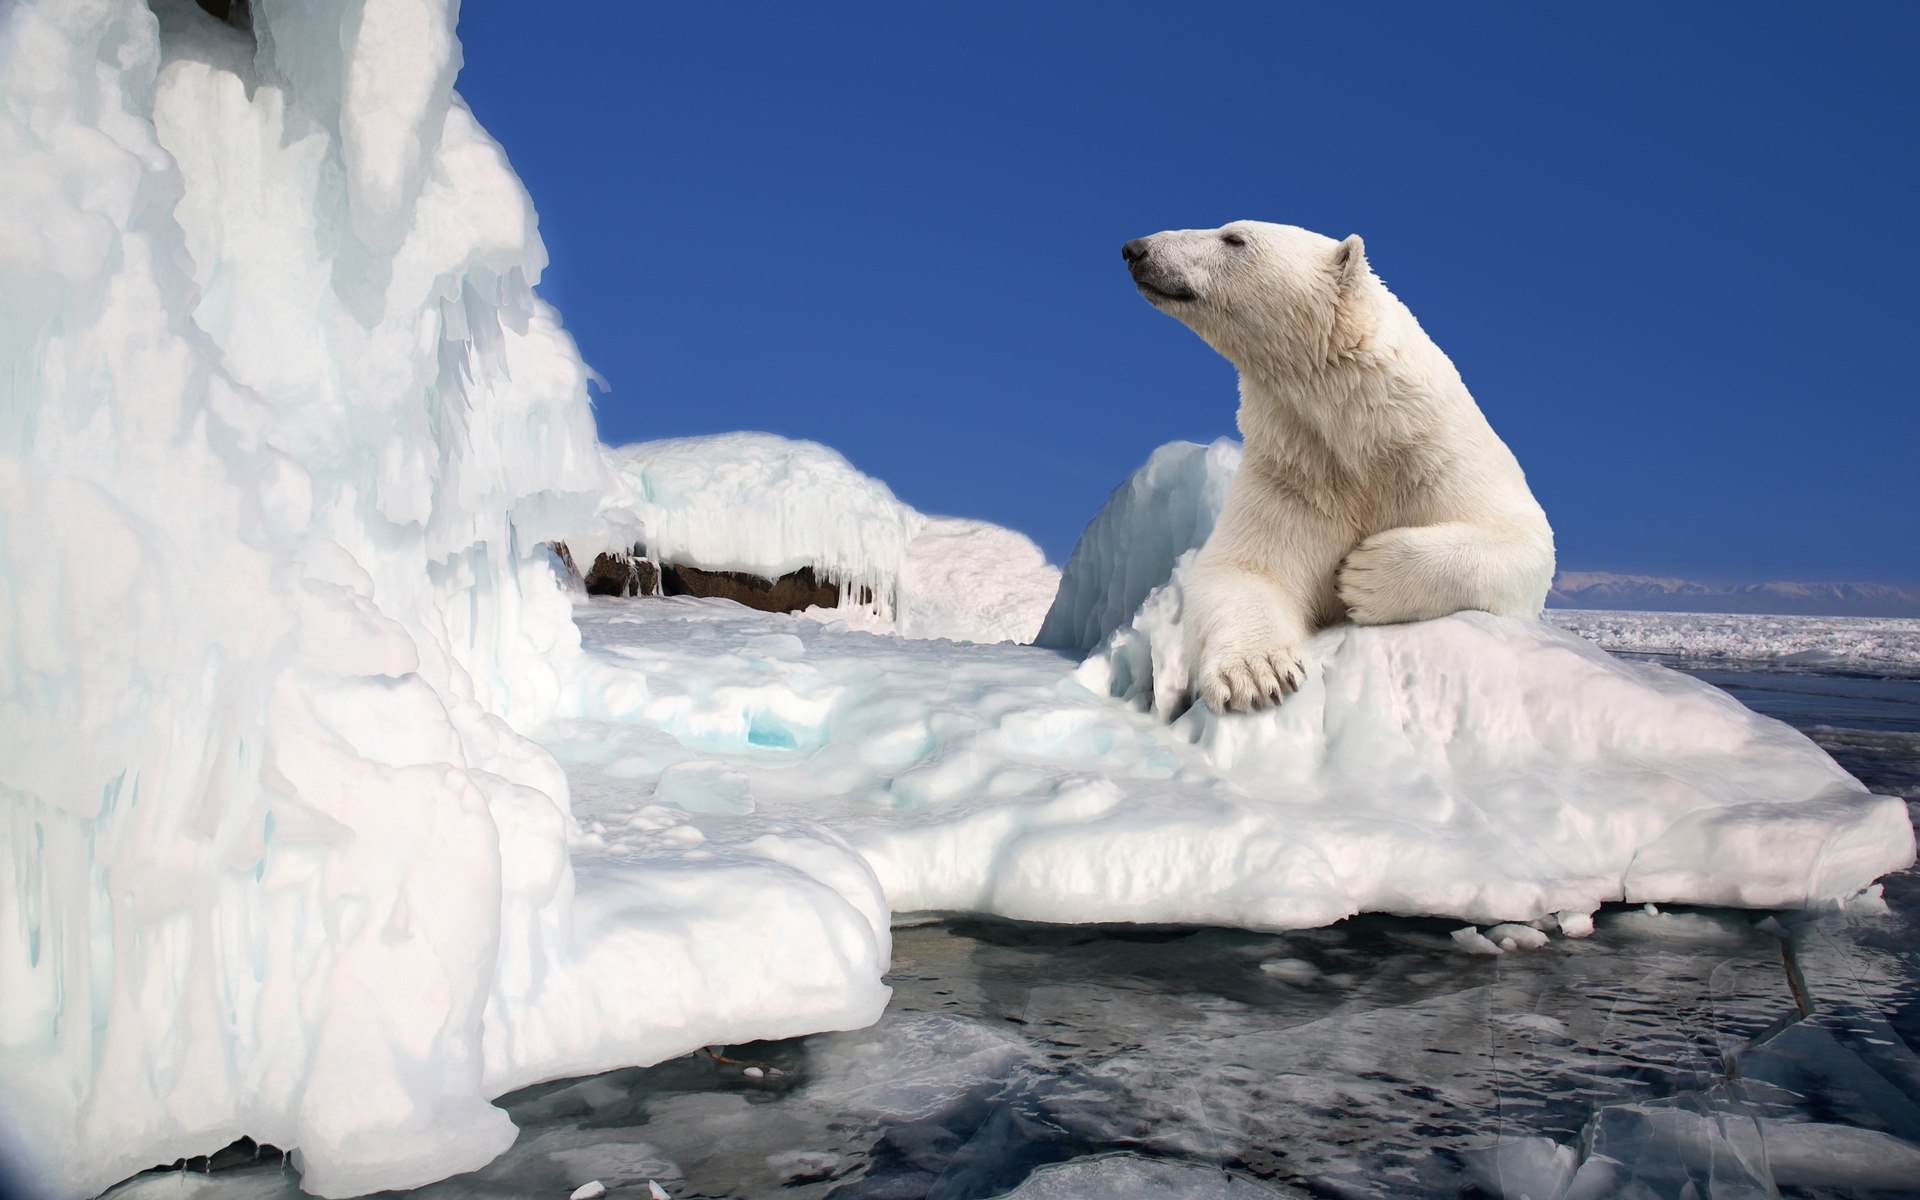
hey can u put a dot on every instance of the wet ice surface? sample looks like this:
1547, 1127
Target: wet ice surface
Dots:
1372, 1058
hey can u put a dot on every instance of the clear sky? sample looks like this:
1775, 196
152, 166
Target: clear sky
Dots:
1672, 248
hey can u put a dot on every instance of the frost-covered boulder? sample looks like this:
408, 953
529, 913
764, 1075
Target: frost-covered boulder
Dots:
769, 507
1163, 510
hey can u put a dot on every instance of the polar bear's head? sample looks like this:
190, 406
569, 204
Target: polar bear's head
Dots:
1268, 297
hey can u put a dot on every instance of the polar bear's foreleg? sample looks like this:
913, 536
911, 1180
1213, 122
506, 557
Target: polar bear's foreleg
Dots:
1253, 596
1247, 643
1418, 572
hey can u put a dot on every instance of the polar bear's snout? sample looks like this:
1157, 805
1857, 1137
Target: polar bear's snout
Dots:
1156, 278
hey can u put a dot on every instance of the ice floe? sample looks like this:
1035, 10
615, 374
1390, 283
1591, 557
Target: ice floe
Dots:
1890, 644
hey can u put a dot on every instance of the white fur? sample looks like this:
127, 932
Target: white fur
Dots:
1372, 489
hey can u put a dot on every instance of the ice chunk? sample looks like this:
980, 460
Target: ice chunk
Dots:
1292, 970
1133, 1177
1536, 1168
1735, 1152
591, 1190
1516, 937
1575, 924
910, 1067
1163, 510
1817, 1155
1664, 1149
1473, 941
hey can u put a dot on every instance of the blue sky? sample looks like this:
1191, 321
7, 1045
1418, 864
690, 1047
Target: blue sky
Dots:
1671, 248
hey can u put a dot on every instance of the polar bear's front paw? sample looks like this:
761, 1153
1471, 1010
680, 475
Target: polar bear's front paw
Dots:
1250, 680
1376, 581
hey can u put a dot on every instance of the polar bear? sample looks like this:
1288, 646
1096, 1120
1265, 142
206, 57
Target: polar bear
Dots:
1372, 488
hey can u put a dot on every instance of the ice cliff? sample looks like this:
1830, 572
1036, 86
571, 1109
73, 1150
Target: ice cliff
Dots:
282, 430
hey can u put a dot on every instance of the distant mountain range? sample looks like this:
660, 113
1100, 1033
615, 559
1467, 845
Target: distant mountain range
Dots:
1645, 593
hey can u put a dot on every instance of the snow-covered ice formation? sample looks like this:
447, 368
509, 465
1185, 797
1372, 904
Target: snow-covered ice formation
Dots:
282, 430
768, 506
1162, 511
973, 581
1873, 644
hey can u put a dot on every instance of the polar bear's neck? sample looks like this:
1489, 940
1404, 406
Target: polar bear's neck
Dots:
1329, 429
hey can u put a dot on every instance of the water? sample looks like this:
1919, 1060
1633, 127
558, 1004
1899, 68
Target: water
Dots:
1372, 1058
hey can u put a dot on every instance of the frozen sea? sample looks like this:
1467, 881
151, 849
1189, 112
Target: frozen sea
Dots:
1682, 1052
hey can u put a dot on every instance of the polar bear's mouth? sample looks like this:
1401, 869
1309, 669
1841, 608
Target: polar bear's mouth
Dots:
1159, 293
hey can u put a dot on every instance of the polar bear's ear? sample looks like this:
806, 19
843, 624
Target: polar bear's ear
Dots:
1350, 262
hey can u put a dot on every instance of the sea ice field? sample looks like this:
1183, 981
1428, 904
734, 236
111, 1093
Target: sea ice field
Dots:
335, 818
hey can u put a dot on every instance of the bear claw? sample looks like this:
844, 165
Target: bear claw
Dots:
1250, 683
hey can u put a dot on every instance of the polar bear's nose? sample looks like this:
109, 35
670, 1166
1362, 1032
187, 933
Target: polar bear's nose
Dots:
1134, 250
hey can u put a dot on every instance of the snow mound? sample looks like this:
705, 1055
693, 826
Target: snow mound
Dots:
1163, 510
976, 582
1890, 644
769, 505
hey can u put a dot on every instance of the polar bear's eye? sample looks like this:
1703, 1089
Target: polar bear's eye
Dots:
1233, 239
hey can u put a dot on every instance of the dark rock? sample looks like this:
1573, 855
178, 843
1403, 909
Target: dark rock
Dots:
243, 1153
789, 593
623, 575
560, 551
237, 13
633, 574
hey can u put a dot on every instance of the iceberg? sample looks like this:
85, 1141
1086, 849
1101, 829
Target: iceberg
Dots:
283, 429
